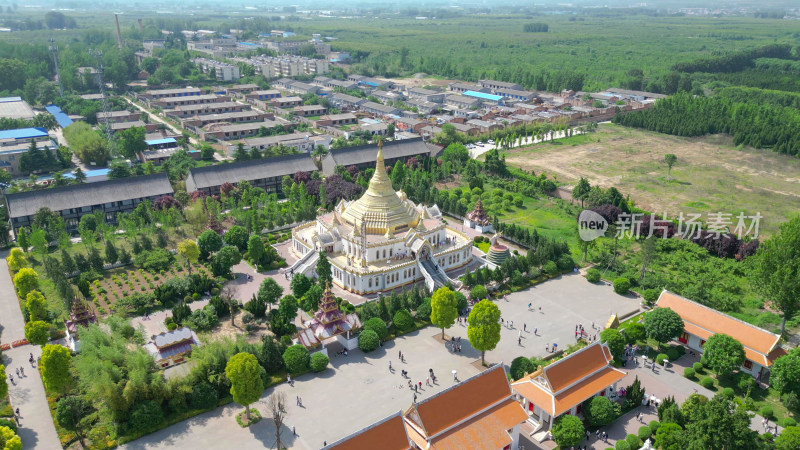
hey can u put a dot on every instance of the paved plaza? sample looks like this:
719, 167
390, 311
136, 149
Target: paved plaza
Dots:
359, 389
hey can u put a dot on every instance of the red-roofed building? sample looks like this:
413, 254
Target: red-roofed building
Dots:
388, 434
700, 322
479, 412
564, 385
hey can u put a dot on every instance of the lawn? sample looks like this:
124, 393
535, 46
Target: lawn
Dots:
483, 246
711, 175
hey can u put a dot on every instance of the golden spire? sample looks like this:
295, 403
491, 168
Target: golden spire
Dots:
381, 203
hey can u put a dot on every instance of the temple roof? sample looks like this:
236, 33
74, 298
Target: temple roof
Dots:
478, 214
381, 209
327, 321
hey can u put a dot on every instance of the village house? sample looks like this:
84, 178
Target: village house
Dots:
460, 101
494, 85
423, 106
309, 110
484, 126
14, 143
301, 142
346, 101
224, 131
162, 93
426, 94
231, 117
463, 87
263, 95
120, 126
172, 347
378, 109
241, 89
364, 156
761, 348
336, 120
208, 108
173, 102
286, 102
118, 116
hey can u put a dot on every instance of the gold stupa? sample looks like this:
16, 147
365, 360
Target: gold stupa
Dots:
381, 209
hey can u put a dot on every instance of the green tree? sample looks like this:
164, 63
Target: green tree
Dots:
208, 242
26, 280
663, 325
377, 325
288, 308
16, 259
238, 237
269, 291
319, 362
602, 411
613, 338
37, 332
296, 358
789, 439
568, 431
444, 308
785, 373
520, 367
324, 273
723, 354
70, 414
224, 259
9, 440
39, 241
190, 251
484, 327
775, 270
87, 144
22, 239
112, 256
581, 190
300, 285
670, 436
3, 382
670, 159
402, 320
722, 425
479, 293
131, 141
247, 385
368, 341
36, 305
255, 249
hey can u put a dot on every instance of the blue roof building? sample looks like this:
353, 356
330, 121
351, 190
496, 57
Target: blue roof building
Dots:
62, 118
484, 96
23, 134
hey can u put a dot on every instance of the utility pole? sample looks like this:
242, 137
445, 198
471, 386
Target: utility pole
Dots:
106, 109
54, 51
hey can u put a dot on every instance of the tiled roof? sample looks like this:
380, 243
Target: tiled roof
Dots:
388, 434
488, 430
572, 380
367, 153
462, 401
704, 322
216, 175
88, 194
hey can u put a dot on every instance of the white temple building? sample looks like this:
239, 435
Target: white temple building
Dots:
382, 241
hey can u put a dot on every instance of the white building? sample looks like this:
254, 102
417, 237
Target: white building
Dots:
382, 241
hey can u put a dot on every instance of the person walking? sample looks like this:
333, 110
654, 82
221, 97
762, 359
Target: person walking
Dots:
22, 371
535, 331
529, 306
519, 341
17, 370
298, 400
428, 381
524, 327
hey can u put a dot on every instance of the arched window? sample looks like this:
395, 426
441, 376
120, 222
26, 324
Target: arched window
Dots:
377, 254
370, 282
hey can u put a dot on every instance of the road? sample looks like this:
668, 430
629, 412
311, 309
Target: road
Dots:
36, 428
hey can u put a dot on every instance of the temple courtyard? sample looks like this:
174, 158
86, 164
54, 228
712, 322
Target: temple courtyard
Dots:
358, 390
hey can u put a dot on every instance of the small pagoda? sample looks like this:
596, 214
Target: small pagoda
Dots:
478, 220
498, 252
82, 316
329, 321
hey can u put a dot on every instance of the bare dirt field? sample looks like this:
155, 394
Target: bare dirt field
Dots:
415, 82
711, 175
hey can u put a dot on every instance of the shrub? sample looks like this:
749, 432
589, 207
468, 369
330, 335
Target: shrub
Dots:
788, 422
728, 392
296, 358
633, 440
368, 341
403, 320
593, 275
688, 372
145, 416
565, 262
654, 426
698, 367
424, 310
204, 396
521, 366
622, 286
378, 326
319, 362
650, 295
171, 326
9, 423
602, 411
644, 433
766, 411
550, 268
791, 401
660, 358
478, 293
247, 317
707, 382
673, 353
622, 445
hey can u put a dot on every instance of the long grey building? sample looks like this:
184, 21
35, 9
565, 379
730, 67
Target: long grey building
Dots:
75, 201
264, 173
364, 156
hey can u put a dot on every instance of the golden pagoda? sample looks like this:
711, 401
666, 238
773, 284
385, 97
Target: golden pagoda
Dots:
381, 208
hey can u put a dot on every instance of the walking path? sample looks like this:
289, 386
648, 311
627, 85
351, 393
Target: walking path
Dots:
36, 428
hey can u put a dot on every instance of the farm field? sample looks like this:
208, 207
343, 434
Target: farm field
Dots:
711, 175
